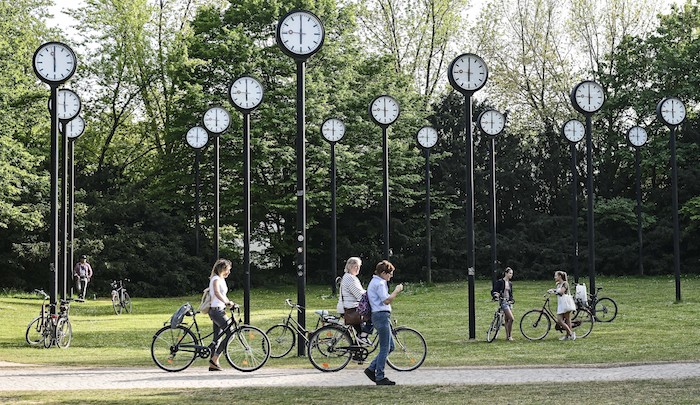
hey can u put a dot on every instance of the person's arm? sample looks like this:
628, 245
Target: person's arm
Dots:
218, 294
89, 271
355, 288
393, 295
76, 270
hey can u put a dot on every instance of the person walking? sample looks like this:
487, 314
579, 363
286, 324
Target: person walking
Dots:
82, 273
380, 300
217, 312
350, 293
564, 304
503, 289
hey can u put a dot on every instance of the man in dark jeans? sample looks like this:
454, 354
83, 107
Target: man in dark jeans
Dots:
82, 273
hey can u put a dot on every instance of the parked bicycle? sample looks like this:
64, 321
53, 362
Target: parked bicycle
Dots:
283, 336
333, 346
535, 324
178, 343
50, 329
120, 298
498, 320
604, 308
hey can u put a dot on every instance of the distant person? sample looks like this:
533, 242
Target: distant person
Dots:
504, 289
564, 308
217, 312
380, 301
82, 274
350, 293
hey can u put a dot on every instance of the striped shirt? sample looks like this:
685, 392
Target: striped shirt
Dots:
351, 290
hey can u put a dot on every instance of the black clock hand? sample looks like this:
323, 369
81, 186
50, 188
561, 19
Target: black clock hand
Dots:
54, 59
300, 29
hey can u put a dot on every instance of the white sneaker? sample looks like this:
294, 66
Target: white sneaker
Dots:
573, 335
564, 338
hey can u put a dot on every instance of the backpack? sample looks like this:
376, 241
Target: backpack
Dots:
363, 306
205, 303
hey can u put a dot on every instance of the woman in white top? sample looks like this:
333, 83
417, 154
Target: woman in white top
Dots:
350, 293
563, 316
218, 290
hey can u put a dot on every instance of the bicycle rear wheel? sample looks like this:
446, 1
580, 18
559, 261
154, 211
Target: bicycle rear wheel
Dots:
410, 350
247, 349
494, 328
35, 332
329, 348
605, 310
535, 325
583, 324
116, 304
127, 302
64, 333
173, 349
282, 340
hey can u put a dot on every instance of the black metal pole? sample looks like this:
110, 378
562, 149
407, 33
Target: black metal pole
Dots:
591, 194
53, 264
71, 206
64, 213
246, 214
216, 197
428, 243
196, 201
676, 227
574, 211
470, 215
334, 222
301, 201
385, 190
492, 208
638, 172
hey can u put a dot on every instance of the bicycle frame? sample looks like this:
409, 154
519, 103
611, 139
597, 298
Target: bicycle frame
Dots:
202, 350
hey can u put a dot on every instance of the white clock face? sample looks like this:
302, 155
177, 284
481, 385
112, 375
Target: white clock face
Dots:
246, 93
333, 129
75, 127
573, 130
637, 136
68, 104
54, 62
492, 122
671, 111
427, 137
300, 33
384, 110
468, 72
216, 120
588, 97
197, 137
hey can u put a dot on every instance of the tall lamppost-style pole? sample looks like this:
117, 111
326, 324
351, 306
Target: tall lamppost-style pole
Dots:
427, 137
74, 128
637, 137
197, 138
574, 131
333, 131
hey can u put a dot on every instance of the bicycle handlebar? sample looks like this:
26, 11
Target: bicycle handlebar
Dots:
38, 291
293, 305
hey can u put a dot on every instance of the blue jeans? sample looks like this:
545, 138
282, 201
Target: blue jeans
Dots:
382, 324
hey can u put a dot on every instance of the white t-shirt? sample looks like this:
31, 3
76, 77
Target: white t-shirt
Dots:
223, 289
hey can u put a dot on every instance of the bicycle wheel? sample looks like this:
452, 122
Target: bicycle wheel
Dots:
535, 325
282, 340
116, 304
605, 310
127, 302
49, 332
410, 350
329, 348
247, 349
173, 349
35, 332
494, 328
64, 333
583, 324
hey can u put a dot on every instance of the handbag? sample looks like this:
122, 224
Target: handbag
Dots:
352, 316
205, 303
568, 303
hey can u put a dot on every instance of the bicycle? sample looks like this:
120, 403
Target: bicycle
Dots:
176, 346
332, 347
604, 309
535, 324
120, 298
50, 329
498, 320
37, 329
283, 336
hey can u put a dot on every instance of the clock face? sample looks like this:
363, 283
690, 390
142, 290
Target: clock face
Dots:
246, 93
637, 136
587, 97
75, 127
384, 110
216, 120
333, 130
54, 62
491, 122
573, 130
427, 137
197, 137
468, 73
671, 111
300, 34
68, 104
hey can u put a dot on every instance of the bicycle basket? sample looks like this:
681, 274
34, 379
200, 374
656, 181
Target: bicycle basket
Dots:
179, 315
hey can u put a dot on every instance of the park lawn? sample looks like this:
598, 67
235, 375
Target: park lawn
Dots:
650, 327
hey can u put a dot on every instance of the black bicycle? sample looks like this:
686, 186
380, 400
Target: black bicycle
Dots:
178, 344
283, 336
498, 320
120, 298
604, 308
50, 329
535, 324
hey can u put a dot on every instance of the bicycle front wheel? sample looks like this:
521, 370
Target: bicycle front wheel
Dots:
247, 349
329, 348
127, 302
605, 310
35, 332
410, 350
535, 325
583, 324
116, 304
282, 340
64, 333
494, 328
173, 349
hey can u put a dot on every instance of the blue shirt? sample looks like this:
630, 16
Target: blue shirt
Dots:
378, 292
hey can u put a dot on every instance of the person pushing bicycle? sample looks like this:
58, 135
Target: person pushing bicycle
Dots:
503, 289
82, 274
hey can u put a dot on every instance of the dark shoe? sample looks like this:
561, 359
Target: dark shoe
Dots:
385, 381
370, 374
214, 367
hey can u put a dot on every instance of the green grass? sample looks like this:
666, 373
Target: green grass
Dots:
650, 327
